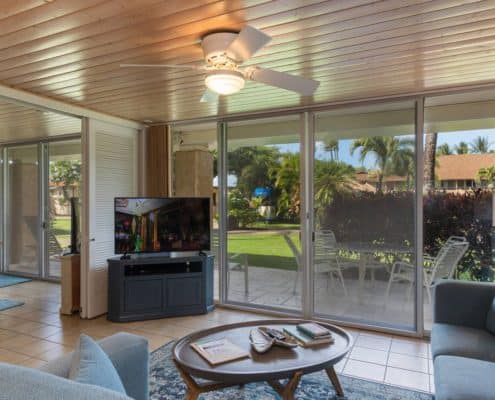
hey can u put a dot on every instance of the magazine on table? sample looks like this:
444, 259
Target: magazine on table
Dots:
219, 351
306, 340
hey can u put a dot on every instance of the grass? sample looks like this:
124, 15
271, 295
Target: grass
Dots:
275, 225
268, 250
61, 226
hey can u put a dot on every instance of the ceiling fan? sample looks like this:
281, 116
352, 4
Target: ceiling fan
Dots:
225, 52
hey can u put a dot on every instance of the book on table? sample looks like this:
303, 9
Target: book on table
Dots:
314, 330
219, 351
306, 340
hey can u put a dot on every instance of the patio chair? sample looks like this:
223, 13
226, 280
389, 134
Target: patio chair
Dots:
325, 258
235, 261
439, 267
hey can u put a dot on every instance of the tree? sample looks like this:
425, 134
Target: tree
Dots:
480, 145
239, 211
288, 183
430, 160
332, 146
390, 153
444, 150
486, 175
66, 173
332, 177
462, 148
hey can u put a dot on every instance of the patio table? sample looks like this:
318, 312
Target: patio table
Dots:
366, 251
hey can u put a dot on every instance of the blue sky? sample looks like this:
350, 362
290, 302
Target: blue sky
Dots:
451, 138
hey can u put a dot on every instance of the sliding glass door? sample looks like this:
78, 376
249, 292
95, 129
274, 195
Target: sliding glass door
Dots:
364, 215
264, 260
22, 206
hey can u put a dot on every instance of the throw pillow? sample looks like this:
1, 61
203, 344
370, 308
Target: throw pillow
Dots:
490, 318
91, 365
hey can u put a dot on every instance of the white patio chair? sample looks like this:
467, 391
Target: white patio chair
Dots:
236, 261
441, 266
325, 258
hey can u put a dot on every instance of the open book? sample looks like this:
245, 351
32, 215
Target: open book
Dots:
219, 351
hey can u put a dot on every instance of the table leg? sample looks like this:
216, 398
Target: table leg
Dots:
335, 381
287, 391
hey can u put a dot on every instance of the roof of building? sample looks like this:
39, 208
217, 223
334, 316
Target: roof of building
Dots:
462, 166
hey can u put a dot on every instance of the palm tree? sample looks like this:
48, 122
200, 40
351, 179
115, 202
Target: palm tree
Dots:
462, 148
332, 177
332, 146
444, 150
430, 160
480, 145
487, 175
391, 154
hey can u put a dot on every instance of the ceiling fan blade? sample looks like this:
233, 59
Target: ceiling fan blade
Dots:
303, 86
209, 97
247, 43
180, 66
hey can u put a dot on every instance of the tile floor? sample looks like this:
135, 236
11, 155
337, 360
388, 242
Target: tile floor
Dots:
35, 333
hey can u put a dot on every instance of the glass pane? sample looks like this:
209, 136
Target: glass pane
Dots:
264, 251
364, 185
64, 193
194, 167
22, 217
459, 178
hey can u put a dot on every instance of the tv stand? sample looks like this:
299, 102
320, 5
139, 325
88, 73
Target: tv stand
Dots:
155, 287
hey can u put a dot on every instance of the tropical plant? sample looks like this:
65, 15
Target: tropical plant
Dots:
288, 183
239, 211
444, 150
486, 175
332, 177
392, 155
462, 148
480, 145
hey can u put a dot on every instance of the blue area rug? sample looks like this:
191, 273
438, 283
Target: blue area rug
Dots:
166, 384
6, 304
7, 280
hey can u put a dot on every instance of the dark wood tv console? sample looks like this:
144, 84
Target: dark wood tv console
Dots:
151, 287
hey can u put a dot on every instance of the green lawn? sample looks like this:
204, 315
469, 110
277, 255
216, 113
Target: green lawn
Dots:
61, 226
267, 250
275, 225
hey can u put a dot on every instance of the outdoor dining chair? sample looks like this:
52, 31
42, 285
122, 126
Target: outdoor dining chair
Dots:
235, 261
325, 257
434, 268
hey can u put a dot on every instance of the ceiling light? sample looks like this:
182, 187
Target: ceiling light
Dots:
225, 81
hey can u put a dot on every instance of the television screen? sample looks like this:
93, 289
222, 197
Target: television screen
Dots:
145, 225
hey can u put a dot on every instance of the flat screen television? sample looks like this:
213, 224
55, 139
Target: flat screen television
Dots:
155, 225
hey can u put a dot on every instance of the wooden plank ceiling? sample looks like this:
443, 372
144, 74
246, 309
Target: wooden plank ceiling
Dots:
71, 50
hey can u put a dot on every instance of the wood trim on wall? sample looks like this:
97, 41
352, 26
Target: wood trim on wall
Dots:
157, 163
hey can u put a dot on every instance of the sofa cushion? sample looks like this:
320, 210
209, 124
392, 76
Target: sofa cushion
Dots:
456, 340
92, 366
20, 383
459, 378
490, 318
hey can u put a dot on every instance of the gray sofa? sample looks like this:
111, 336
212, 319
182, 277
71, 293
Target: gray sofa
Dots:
463, 349
128, 353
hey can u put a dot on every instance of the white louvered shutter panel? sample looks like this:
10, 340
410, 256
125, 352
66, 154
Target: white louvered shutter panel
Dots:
112, 173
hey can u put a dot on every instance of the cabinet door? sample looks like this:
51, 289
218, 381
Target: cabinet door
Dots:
143, 295
184, 292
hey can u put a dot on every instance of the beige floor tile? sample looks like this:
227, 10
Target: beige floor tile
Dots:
431, 368
364, 370
412, 363
54, 353
409, 346
369, 355
339, 367
9, 356
18, 341
409, 379
432, 384
372, 342
33, 363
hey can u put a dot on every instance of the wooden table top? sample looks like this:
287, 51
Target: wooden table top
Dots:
277, 363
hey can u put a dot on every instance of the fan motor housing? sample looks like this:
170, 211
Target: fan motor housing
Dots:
215, 45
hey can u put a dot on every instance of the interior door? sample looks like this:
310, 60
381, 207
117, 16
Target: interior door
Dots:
110, 170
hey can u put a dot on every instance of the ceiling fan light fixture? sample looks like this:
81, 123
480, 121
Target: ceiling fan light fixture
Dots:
225, 82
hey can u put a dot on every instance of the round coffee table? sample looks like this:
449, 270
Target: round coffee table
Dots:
278, 363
